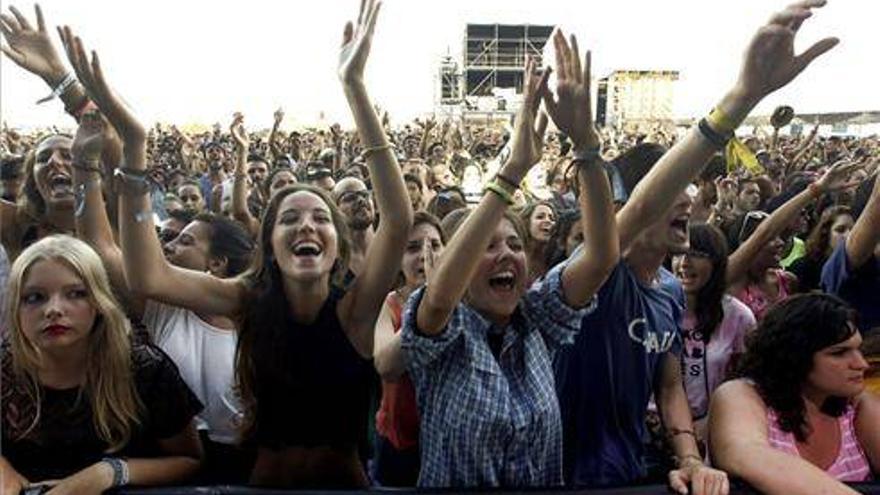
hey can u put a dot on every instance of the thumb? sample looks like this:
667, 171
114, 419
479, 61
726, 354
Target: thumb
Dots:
818, 48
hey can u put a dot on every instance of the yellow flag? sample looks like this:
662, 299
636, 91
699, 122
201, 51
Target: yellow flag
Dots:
738, 155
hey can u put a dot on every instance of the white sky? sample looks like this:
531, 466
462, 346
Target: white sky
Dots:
190, 61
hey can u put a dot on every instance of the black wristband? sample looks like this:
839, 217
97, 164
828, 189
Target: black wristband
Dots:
716, 138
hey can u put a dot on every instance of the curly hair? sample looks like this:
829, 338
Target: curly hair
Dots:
779, 354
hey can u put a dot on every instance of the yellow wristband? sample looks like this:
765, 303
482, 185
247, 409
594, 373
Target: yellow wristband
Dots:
721, 122
500, 191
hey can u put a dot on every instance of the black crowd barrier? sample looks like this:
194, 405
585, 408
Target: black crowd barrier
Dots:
736, 489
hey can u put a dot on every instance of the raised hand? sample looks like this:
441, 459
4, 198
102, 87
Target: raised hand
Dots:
30, 48
92, 78
88, 143
528, 139
572, 111
770, 61
239, 135
837, 176
279, 116
356, 41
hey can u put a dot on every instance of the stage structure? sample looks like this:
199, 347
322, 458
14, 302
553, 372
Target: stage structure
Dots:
486, 84
636, 100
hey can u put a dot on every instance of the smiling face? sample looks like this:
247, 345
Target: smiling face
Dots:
501, 275
53, 174
304, 239
693, 270
55, 309
541, 223
413, 264
839, 370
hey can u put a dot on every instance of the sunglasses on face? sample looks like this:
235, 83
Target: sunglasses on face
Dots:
351, 196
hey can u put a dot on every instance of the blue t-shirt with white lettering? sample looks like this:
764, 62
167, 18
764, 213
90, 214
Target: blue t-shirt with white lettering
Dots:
605, 380
858, 287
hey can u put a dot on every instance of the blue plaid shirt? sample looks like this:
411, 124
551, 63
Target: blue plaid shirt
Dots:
487, 421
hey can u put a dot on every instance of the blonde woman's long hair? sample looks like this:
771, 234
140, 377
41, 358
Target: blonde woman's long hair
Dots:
109, 384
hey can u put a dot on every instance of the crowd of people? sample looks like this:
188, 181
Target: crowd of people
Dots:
228, 307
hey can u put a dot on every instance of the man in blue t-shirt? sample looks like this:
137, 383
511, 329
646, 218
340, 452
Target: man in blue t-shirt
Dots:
853, 270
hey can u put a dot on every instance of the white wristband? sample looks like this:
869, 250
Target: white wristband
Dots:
59, 90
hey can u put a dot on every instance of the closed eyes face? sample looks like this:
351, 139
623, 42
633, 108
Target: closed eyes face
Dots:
191, 247
55, 309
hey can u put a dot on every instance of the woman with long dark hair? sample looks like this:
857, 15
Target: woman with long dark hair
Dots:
714, 325
800, 407
833, 226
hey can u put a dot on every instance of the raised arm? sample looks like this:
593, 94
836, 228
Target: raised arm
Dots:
865, 235
770, 63
458, 264
92, 222
572, 113
738, 263
274, 147
360, 307
146, 269
240, 178
739, 444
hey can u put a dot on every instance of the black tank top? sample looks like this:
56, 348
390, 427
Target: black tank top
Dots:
322, 397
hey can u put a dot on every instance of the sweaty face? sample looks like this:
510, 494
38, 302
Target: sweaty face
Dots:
839, 230
413, 264
541, 223
501, 275
55, 310
52, 171
304, 239
191, 197
693, 270
839, 369
191, 248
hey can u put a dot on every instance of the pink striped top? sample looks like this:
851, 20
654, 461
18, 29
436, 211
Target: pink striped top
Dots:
851, 463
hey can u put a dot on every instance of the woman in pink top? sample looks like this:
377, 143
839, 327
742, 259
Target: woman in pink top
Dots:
753, 273
799, 420
714, 325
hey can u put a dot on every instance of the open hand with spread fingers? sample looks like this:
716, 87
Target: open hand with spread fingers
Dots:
91, 75
356, 41
571, 110
30, 48
770, 61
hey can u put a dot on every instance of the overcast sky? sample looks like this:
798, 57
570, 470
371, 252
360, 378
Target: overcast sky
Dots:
190, 61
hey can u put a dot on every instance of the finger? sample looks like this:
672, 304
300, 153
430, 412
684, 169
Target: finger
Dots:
4, 28
11, 23
575, 60
540, 87
347, 33
559, 51
361, 13
22, 20
541, 127
588, 71
550, 103
818, 48
371, 21
13, 55
41, 22
677, 483
785, 17
725, 486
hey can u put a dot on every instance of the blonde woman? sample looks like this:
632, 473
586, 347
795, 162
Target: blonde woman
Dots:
84, 410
